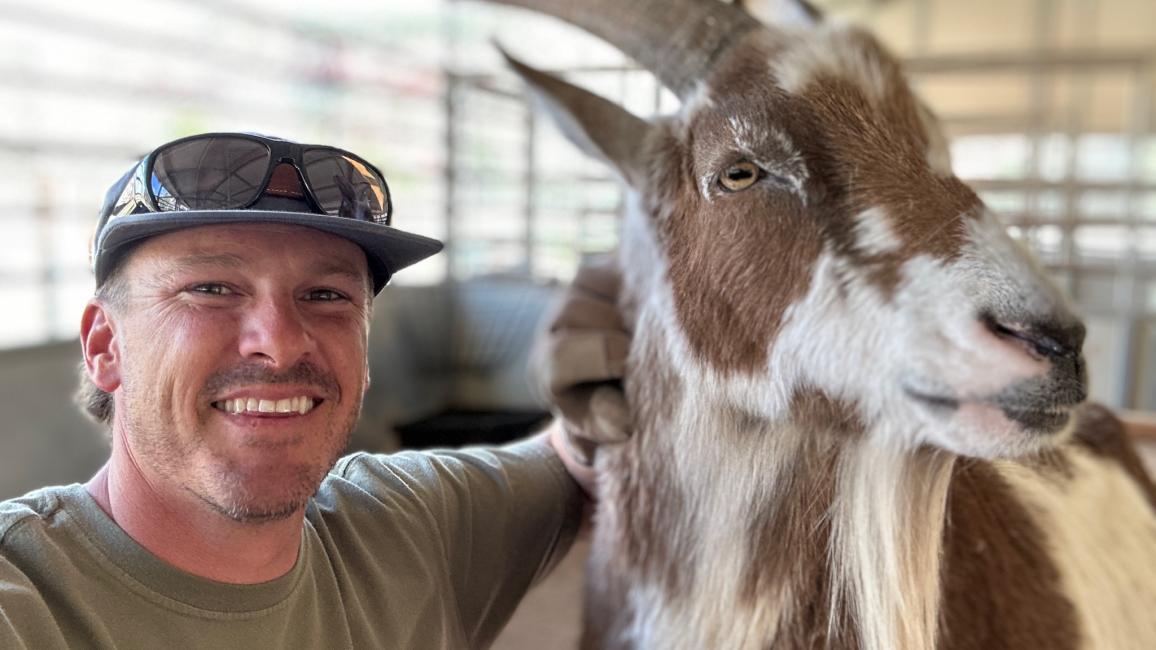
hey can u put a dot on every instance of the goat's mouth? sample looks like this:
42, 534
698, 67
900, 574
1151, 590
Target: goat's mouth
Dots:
1033, 415
1042, 422
942, 404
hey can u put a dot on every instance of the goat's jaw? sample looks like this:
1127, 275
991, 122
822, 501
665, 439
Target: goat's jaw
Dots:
1007, 415
982, 403
1015, 421
984, 429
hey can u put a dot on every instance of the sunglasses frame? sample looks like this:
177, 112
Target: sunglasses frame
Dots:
280, 151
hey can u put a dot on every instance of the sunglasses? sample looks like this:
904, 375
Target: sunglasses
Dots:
231, 171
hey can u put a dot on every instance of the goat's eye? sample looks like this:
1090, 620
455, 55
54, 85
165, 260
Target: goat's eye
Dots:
740, 176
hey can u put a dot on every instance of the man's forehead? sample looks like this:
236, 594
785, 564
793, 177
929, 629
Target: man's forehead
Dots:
241, 245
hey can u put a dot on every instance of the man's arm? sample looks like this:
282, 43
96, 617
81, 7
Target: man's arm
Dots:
582, 472
25, 619
488, 522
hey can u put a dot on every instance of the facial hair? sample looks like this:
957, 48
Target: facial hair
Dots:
225, 485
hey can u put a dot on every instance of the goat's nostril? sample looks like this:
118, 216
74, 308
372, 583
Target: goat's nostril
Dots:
1046, 340
1047, 346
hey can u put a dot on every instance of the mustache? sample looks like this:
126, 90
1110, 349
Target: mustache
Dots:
248, 374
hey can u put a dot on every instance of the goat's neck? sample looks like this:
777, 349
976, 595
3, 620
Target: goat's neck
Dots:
801, 525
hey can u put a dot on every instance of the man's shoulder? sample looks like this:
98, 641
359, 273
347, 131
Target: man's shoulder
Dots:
376, 473
38, 507
424, 478
408, 468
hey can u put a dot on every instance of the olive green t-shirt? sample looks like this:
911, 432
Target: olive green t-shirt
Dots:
412, 550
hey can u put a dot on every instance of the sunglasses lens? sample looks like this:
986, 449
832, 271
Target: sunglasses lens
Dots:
213, 173
346, 186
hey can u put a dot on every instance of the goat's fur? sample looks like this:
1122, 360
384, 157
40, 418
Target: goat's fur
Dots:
857, 400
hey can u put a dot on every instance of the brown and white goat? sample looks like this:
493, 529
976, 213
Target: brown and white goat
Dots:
857, 401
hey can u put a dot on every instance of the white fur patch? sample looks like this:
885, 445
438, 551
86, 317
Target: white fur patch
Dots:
747, 135
699, 98
1008, 274
1102, 533
888, 529
826, 50
874, 234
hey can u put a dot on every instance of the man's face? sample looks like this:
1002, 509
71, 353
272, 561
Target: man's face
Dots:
242, 362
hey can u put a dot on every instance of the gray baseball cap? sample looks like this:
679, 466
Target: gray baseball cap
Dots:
232, 178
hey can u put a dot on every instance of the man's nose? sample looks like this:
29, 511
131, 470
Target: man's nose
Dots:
276, 332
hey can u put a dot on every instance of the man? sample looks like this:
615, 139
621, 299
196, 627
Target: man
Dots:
226, 349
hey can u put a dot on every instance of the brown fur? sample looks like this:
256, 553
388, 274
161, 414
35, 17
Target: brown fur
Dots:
730, 305
1001, 589
790, 538
735, 263
876, 147
860, 152
642, 486
814, 410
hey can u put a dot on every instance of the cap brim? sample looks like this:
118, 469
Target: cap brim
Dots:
386, 246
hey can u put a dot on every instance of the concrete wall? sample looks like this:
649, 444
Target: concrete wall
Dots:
464, 346
44, 439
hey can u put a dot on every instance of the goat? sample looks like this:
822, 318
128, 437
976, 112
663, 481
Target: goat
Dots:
859, 417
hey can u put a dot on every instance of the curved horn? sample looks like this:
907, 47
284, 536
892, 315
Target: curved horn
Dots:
677, 40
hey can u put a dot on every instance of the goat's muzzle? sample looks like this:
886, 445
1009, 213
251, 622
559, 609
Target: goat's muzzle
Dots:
1043, 404
1054, 340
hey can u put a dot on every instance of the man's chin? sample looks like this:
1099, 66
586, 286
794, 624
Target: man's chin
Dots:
250, 510
260, 514
262, 495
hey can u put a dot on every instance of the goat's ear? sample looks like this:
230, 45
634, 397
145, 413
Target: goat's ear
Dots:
596, 125
784, 13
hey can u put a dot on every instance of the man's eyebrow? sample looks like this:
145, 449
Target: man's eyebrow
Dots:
224, 260
177, 265
171, 268
343, 269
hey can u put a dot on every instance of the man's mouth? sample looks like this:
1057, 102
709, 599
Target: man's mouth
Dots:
252, 405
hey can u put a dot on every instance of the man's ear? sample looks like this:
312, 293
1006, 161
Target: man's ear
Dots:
100, 346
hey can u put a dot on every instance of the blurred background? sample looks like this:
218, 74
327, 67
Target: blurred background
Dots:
1049, 105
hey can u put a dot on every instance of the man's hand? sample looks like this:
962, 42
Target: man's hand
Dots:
582, 364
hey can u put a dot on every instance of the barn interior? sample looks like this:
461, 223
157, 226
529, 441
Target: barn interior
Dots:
1048, 105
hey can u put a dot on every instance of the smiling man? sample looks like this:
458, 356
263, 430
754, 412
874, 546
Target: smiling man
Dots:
226, 350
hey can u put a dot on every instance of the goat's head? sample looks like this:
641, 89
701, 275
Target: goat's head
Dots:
811, 235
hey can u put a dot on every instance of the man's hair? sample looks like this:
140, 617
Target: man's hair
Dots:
96, 403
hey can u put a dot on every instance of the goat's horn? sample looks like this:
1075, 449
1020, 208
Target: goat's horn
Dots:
677, 40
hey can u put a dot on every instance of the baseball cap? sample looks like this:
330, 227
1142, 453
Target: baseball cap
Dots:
227, 178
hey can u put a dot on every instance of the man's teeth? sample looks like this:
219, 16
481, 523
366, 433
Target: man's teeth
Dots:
301, 405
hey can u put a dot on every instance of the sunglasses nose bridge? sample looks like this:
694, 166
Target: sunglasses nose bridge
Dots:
285, 181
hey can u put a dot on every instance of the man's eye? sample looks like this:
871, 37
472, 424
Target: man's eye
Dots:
326, 295
211, 289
